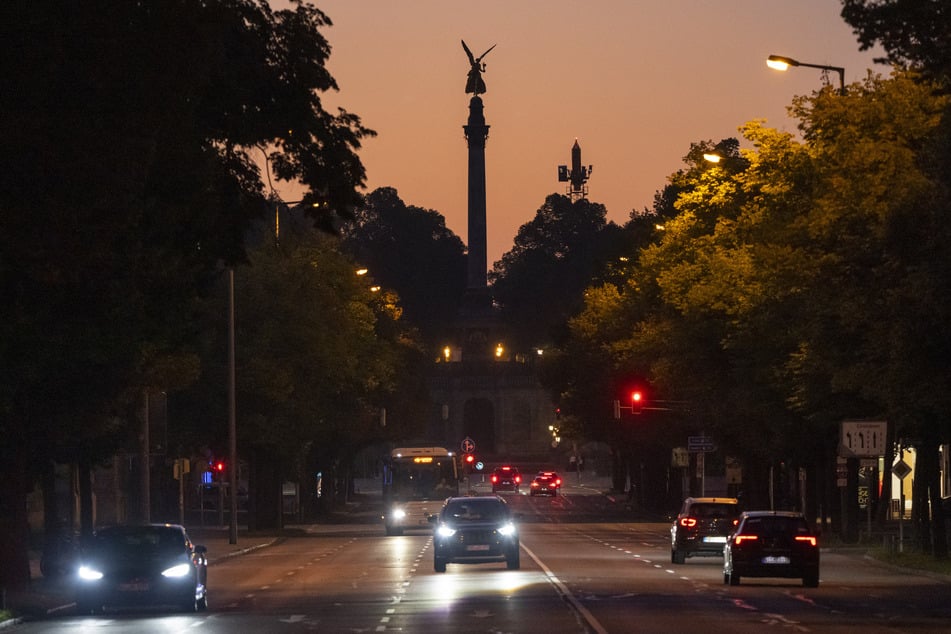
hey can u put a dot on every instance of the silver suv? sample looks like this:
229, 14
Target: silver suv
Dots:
702, 527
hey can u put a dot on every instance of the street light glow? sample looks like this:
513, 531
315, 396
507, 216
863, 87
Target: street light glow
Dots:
712, 158
778, 62
781, 62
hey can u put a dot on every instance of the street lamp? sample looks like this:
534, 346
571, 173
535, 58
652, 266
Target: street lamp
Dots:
781, 62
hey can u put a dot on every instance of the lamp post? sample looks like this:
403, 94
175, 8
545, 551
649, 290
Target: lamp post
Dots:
781, 62
232, 432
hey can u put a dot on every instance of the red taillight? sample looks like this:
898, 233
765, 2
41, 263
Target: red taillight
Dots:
495, 478
535, 484
739, 539
688, 522
558, 482
518, 479
806, 539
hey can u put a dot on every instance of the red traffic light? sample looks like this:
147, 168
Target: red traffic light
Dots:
219, 466
470, 458
637, 401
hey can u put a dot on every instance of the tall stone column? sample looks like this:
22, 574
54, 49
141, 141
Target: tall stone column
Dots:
476, 133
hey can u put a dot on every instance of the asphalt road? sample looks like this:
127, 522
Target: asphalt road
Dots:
586, 567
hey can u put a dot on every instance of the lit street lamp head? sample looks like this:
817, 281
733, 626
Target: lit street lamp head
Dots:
781, 62
778, 62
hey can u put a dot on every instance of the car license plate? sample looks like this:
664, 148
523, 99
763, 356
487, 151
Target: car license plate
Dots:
134, 587
716, 539
775, 560
477, 547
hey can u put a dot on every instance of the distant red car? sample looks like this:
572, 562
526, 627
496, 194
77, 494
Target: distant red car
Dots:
506, 478
545, 483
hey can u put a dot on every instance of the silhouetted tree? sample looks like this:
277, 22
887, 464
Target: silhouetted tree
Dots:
410, 250
127, 132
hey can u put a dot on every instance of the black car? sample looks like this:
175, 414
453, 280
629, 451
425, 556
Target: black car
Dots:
545, 483
505, 478
156, 565
702, 527
772, 544
476, 529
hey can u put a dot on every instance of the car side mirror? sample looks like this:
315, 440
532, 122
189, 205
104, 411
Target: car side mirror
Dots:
201, 550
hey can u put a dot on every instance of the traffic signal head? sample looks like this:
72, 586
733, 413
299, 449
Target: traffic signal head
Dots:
637, 401
470, 459
219, 466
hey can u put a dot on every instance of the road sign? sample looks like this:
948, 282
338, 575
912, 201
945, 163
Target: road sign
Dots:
468, 445
901, 469
862, 438
700, 443
679, 458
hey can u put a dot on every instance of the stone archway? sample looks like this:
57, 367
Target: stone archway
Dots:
478, 423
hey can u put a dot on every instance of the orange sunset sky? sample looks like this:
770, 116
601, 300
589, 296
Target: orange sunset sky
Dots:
635, 82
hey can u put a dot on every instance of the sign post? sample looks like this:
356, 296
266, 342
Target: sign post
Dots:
701, 444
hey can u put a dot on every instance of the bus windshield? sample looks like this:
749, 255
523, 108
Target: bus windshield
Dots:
420, 473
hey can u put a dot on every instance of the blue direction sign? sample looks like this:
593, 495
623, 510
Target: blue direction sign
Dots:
700, 443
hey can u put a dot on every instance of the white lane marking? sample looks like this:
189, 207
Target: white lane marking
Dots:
583, 611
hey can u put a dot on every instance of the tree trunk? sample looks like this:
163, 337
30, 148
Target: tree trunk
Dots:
14, 526
265, 510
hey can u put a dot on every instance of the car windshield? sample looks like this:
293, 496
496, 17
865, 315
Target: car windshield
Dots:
775, 526
475, 511
146, 540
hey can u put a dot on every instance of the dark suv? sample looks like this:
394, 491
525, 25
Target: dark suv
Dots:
475, 530
772, 544
506, 478
702, 528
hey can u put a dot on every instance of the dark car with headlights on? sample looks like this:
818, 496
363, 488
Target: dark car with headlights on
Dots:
505, 478
155, 565
545, 483
476, 530
702, 527
772, 544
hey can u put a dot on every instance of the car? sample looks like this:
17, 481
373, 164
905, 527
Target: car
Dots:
702, 527
772, 544
143, 566
505, 478
476, 529
546, 482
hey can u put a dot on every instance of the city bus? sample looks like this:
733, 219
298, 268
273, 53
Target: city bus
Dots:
416, 481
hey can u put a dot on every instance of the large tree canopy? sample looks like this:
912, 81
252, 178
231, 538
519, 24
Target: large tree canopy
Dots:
127, 131
799, 286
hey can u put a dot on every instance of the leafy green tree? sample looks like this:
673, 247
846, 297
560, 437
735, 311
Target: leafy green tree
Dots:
319, 353
411, 251
128, 178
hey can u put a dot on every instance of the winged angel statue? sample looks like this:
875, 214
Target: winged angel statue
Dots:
474, 83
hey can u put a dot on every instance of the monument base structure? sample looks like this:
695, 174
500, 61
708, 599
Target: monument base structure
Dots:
480, 388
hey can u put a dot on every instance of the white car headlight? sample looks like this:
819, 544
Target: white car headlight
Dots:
89, 574
507, 529
180, 570
445, 531
399, 514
